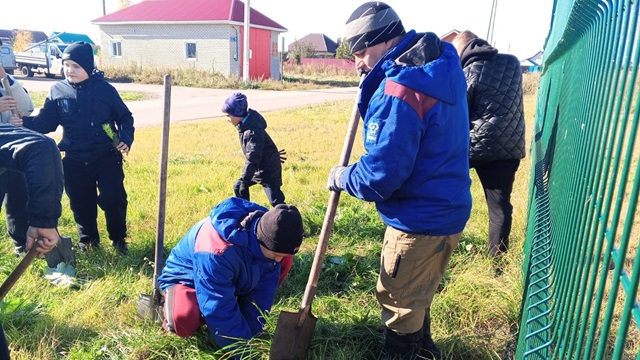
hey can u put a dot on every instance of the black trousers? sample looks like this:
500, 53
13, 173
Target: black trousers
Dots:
13, 190
274, 194
99, 183
497, 179
4, 348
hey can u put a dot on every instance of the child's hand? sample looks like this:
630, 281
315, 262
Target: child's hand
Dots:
7, 103
123, 148
15, 121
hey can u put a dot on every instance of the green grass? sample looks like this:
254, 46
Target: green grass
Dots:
38, 97
473, 314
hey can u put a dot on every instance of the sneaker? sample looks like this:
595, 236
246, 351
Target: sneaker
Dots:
84, 247
19, 251
121, 247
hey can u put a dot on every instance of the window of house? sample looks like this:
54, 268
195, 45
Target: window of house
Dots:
190, 50
116, 48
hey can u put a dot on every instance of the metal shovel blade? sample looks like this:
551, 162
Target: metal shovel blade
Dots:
148, 308
62, 253
293, 335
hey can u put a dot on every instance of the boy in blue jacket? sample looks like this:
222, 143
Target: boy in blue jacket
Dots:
225, 271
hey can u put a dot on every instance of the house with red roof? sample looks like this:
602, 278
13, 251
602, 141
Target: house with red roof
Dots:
201, 34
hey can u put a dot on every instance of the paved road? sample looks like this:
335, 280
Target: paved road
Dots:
197, 103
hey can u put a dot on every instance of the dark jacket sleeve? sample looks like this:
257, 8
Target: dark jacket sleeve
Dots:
253, 144
47, 119
38, 158
123, 119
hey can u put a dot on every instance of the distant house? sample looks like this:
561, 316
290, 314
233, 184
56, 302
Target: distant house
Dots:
9, 35
200, 34
320, 44
69, 38
448, 37
532, 64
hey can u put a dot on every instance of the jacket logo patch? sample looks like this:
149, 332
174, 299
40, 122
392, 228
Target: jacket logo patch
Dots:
373, 132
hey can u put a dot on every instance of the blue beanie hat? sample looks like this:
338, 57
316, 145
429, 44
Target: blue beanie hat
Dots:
236, 105
82, 53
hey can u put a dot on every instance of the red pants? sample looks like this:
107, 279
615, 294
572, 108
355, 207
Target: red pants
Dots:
181, 310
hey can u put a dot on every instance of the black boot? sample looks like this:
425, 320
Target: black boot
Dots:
429, 350
401, 347
121, 247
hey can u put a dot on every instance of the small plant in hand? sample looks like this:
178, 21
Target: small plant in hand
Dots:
112, 135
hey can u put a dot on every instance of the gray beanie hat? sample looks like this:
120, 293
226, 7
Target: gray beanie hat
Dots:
372, 23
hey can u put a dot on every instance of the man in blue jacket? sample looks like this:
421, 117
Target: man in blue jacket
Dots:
225, 271
415, 167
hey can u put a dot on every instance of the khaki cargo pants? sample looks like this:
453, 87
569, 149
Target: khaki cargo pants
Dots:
411, 267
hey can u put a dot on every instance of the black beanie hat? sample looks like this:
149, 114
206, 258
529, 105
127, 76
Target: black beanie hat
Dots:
280, 229
82, 53
372, 23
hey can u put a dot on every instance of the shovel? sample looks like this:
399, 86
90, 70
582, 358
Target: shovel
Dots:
293, 333
150, 305
18, 271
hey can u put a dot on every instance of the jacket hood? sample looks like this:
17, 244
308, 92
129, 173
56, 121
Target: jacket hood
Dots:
476, 50
226, 219
424, 63
254, 120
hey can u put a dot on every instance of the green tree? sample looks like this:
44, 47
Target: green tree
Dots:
342, 51
302, 49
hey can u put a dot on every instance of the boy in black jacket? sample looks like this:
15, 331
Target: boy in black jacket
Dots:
98, 129
263, 165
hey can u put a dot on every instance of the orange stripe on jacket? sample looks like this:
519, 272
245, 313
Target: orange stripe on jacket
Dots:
418, 101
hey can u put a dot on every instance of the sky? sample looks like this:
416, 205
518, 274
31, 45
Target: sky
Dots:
520, 28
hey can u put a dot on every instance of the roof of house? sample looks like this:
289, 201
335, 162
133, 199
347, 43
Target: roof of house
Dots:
319, 42
69, 38
528, 62
202, 11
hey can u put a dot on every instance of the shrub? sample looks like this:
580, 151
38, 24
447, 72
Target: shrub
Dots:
530, 83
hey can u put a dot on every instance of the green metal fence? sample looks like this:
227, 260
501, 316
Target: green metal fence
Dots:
582, 263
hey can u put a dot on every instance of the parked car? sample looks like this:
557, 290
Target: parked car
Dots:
8, 58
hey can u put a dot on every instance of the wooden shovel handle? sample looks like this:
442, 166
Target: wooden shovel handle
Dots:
162, 189
18, 271
7, 90
327, 224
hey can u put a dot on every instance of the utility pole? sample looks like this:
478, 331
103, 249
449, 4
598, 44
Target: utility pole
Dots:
492, 21
104, 8
247, 52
